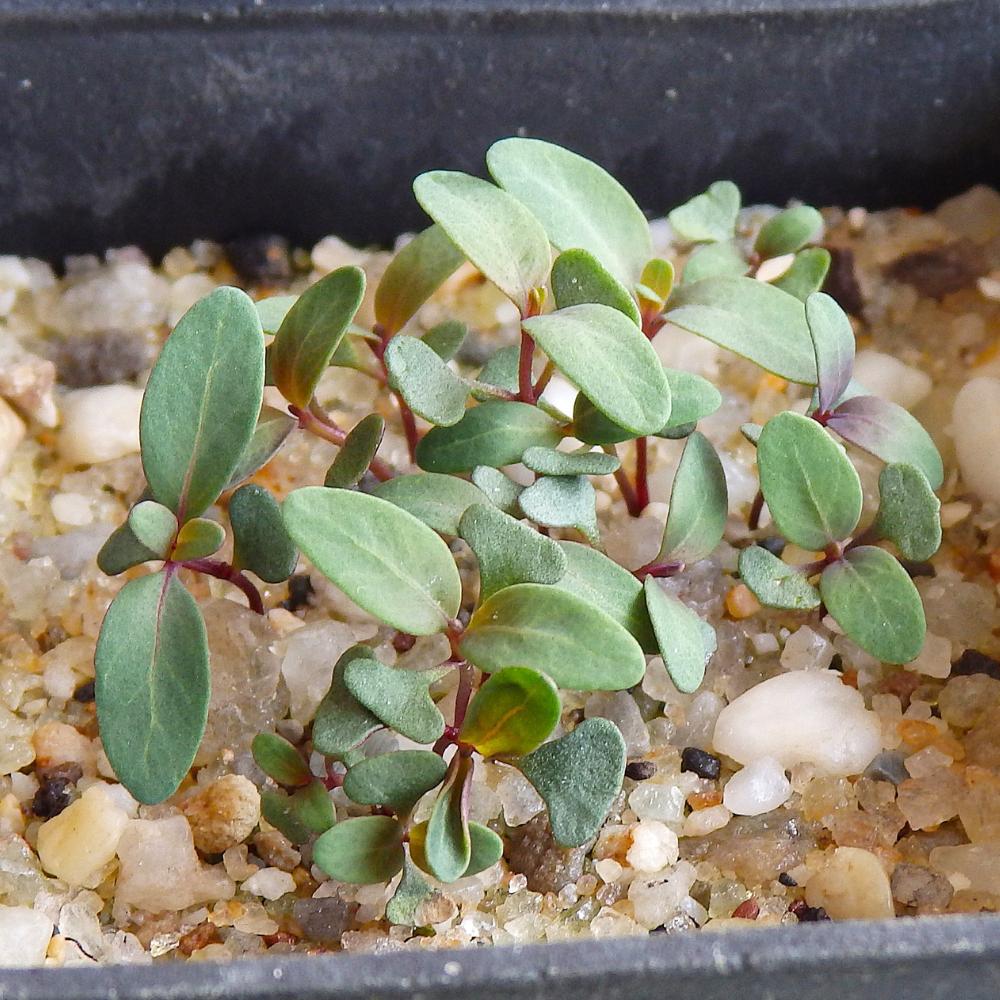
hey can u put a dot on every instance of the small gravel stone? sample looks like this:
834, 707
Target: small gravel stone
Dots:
620, 708
760, 787
978, 863
54, 792
24, 936
275, 849
300, 593
975, 422
223, 813
640, 770
12, 431
100, 424
919, 887
701, 762
888, 766
548, 866
806, 650
973, 662
702, 822
103, 357
941, 270
886, 376
271, 883
964, 700
325, 919
851, 885
654, 846
260, 260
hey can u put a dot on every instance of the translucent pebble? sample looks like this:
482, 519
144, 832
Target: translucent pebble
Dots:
271, 883
925, 762
656, 900
929, 801
702, 715
974, 213
934, 659
307, 667
656, 681
851, 885
24, 936
610, 923
99, 424
964, 700
760, 787
702, 822
807, 716
12, 431
888, 377
764, 643
979, 863
980, 807
806, 650
654, 846
620, 708
519, 799
960, 610
649, 800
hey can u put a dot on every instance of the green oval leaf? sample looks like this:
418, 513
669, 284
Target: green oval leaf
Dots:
552, 462
361, 851
201, 402
875, 602
788, 231
199, 538
833, 342
261, 543
708, 217
396, 780
400, 698
431, 389
446, 338
312, 808
579, 203
774, 583
500, 489
437, 500
656, 282
908, 512
888, 432
686, 642
312, 331
447, 843
714, 260
152, 684
153, 526
271, 432
413, 276
578, 277
807, 273
342, 723
699, 504
279, 760
578, 776
508, 551
752, 319
563, 502
122, 551
605, 585
273, 310
812, 490
512, 713
556, 632
486, 849
382, 557
356, 453
609, 359
494, 433
501, 370
495, 231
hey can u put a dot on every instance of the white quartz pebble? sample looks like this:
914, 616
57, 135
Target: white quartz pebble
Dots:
851, 885
886, 376
803, 717
100, 424
760, 787
11, 434
654, 846
975, 424
24, 936
271, 883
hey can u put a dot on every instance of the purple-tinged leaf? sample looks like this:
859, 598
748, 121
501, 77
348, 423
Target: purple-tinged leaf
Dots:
833, 342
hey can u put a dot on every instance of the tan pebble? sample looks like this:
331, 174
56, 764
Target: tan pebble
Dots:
740, 602
852, 885
275, 849
58, 743
223, 813
11, 434
100, 424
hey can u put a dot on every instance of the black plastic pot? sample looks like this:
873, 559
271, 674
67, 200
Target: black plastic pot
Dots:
157, 122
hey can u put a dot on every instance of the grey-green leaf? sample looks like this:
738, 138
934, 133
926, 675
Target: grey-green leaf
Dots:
201, 402
812, 490
714, 260
774, 583
609, 359
578, 277
271, 432
552, 462
578, 776
579, 203
448, 845
494, 230
386, 560
708, 217
261, 542
356, 453
152, 684
494, 433
279, 760
446, 338
431, 389
342, 723
413, 889
501, 369
153, 526
273, 310
395, 779
508, 551
200, 537
908, 512
833, 342
875, 602
807, 273
563, 502
499, 488
699, 504
788, 231
486, 849
437, 500
363, 851
686, 642
122, 551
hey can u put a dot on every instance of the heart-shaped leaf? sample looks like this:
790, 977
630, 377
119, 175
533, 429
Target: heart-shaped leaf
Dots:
437, 500
908, 512
833, 342
579, 203
563, 502
382, 557
875, 602
605, 585
500, 489
153, 526
261, 543
446, 338
362, 851
271, 432
609, 359
655, 283
752, 319
508, 551
888, 432
412, 891
199, 538
812, 490
714, 260
396, 780
400, 698
356, 453
447, 843
788, 231
201, 402
699, 504
494, 230
342, 723
552, 462
580, 647
279, 760
578, 776
312, 331
486, 849
152, 684
494, 433
413, 276
708, 217
273, 310
775, 583
431, 389
578, 277
807, 273
512, 713
686, 642
313, 808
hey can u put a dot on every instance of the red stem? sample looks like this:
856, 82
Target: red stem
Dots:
628, 494
405, 413
223, 571
525, 388
753, 521
642, 472
464, 692
318, 422
658, 569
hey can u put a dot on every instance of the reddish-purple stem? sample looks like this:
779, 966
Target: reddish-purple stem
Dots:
223, 571
642, 473
405, 413
658, 569
525, 388
628, 494
317, 422
756, 508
